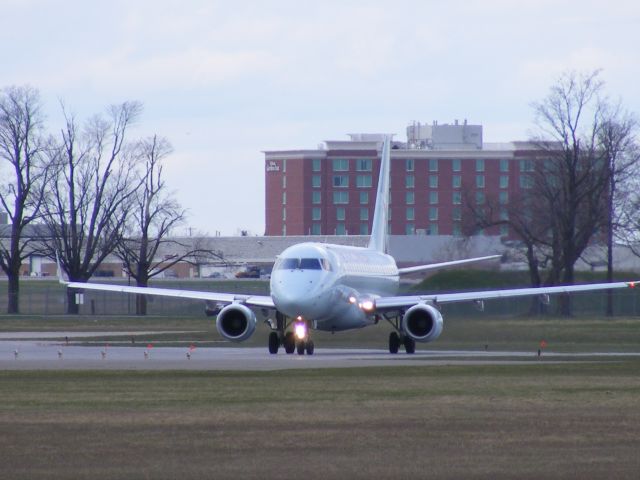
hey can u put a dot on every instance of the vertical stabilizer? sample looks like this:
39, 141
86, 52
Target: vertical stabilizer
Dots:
378, 239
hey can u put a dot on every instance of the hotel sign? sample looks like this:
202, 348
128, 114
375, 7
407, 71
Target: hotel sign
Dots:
272, 166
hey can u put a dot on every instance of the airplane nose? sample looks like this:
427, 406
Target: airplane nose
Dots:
296, 294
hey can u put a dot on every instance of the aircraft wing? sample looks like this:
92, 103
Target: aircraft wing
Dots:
383, 303
249, 300
432, 266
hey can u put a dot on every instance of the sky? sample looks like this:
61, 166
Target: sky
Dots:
226, 80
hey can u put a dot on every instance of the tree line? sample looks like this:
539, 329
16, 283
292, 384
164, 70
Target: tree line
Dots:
83, 193
579, 184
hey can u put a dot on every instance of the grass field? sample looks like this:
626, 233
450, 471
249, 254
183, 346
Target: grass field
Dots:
536, 421
539, 420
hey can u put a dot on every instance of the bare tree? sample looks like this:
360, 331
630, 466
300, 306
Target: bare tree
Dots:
619, 145
579, 179
154, 215
566, 180
21, 148
89, 197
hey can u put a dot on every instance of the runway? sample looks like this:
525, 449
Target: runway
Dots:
45, 351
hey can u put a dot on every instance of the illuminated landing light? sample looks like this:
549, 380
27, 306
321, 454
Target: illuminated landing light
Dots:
368, 305
300, 330
352, 299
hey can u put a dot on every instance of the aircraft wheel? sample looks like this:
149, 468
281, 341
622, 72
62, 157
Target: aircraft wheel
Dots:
394, 342
274, 342
289, 342
409, 345
300, 347
310, 347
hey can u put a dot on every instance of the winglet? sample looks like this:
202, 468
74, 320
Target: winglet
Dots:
59, 271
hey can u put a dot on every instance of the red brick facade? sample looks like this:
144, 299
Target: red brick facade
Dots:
326, 192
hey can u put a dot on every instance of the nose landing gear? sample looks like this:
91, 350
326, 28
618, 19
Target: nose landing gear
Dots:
294, 340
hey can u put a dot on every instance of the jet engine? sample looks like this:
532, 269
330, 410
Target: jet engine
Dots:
236, 322
422, 322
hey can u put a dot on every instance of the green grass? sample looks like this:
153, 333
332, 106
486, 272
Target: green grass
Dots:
536, 421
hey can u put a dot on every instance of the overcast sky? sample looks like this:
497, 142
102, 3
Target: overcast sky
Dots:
225, 80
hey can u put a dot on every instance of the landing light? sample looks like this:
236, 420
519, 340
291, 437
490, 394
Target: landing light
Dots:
367, 305
352, 299
300, 330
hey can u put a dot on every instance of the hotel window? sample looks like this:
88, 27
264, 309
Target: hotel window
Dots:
364, 214
363, 165
315, 181
456, 181
409, 181
504, 181
340, 164
316, 197
432, 229
284, 230
316, 213
456, 165
526, 181
410, 198
457, 198
433, 181
341, 181
364, 198
504, 198
364, 229
457, 230
433, 214
410, 213
409, 164
433, 164
504, 230
284, 198
456, 213
316, 165
284, 181
433, 198
479, 198
480, 165
504, 214
340, 213
315, 229
363, 181
526, 165
284, 166
284, 213
504, 165
409, 229
479, 181
340, 198
340, 229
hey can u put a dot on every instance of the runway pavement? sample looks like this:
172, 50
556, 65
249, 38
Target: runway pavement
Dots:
20, 351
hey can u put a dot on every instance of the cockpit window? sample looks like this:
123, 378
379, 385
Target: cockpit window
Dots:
310, 264
303, 264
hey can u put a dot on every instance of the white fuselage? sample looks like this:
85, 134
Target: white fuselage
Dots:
331, 286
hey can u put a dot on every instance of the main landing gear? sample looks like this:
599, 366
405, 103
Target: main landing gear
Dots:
397, 338
296, 340
395, 341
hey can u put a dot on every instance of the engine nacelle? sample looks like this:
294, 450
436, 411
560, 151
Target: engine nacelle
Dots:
236, 322
422, 322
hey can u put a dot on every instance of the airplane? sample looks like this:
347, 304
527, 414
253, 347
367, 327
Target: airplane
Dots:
317, 286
